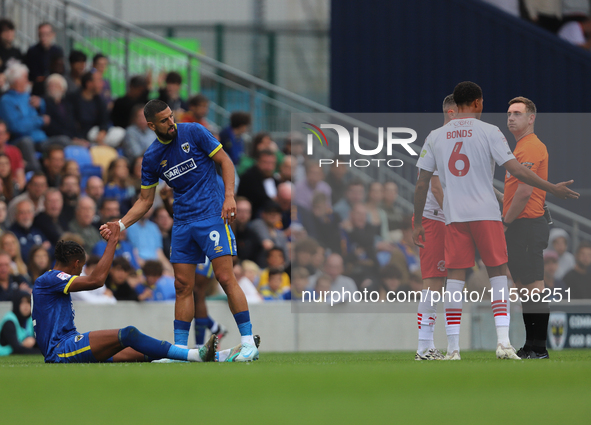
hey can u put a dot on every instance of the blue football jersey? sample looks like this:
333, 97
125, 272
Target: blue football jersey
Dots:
53, 314
185, 164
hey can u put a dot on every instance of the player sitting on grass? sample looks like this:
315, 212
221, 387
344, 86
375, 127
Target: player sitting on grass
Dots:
53, 316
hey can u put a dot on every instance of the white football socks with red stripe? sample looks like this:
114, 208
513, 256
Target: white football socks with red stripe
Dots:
453, 313
426, 320
500, 308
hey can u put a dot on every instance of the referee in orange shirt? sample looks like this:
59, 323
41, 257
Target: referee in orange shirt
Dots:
526, 229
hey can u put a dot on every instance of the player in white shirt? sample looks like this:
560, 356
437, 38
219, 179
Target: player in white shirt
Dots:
432, 256
464, 152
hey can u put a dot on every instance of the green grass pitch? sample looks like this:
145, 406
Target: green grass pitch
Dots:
302, 388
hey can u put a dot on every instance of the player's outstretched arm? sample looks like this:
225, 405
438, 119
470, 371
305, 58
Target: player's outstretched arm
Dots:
139, 209
560, 190
98, 276
421, 190
228, 175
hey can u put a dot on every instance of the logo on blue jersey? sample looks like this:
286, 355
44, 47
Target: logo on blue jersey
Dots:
179, 170
186, 147
163, 163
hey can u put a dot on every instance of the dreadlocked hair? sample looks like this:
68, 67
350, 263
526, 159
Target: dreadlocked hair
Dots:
66, 251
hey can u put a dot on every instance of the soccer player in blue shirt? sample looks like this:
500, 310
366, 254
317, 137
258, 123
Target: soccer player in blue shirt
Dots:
53, 316
185, 155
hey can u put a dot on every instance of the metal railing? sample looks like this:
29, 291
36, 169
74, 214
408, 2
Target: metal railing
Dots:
132, 50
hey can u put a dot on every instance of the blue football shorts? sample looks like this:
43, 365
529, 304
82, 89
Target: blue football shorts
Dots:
192, 242
75, 349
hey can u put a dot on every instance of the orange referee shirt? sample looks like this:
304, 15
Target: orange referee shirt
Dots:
532, 153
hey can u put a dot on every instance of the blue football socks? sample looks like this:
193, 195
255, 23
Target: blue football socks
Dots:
181, 332
244, 326
201, 325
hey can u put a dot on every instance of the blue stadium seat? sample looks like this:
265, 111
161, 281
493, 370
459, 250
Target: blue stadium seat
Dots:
79, 154
88, 171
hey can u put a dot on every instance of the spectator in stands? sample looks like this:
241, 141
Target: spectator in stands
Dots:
285, 169
336, 179
34, 191
164, 222
318, 259
171, 93
284, 201
23, 228
360, 251
48, 221
390, 280
248, 243
294, 146
71, 167
91, 115
578, 279
138, 136
9, 284
260, 142
258, 184
17, 335
70, 189
158, 287
299, 282
100, 63
376, 216
40, 55
9, 244
394, 212
119, 185
53, 163
24, 115
109, 208
95, 189
3, 210
60, 110
146, 238
268, 228
273, 290
7, 49
355, 194
198, 110
82, 223
550, 267
407, 246
275, 259
17, 166
249, 280
39, 262
577, 32
334, 269
231, 136
321, 223
9, 186
77, 61
136, 173
314, 183
117, 281
137, 93
558, 242
303, 250
322, 289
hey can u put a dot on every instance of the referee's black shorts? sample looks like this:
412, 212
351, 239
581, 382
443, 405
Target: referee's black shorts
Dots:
526, 240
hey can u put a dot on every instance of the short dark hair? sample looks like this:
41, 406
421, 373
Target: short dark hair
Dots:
264, 152
122, 263
153, 268
275, 248
582, 246
85, 79
77, 56
6, 25
173, 77
197, 100
355, 182
98, 57
153, 107
467, 92
52, 148
239, 118
68, 251
93, 260
257, 140
105, 200
138, 81
275, 271
42, 24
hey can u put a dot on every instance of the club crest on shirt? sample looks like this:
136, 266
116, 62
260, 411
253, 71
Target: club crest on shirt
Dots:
78, 338
186, 147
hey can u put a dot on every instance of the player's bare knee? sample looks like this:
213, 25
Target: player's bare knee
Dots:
182, 287
225, 278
